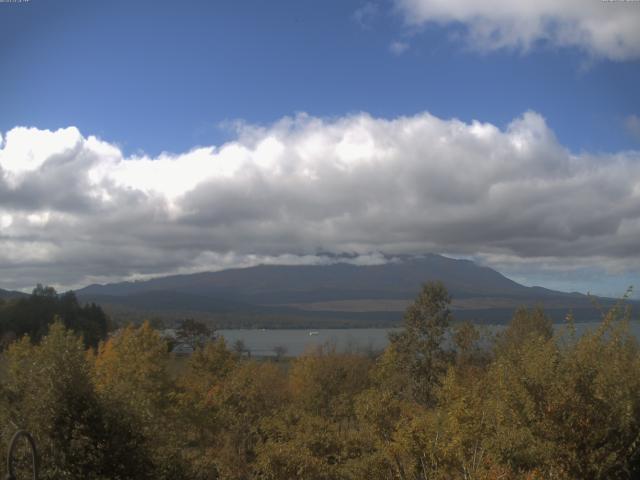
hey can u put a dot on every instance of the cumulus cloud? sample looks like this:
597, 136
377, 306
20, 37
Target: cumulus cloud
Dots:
74, 209
607, 29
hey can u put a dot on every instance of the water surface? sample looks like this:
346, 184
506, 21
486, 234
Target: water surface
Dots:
296, 341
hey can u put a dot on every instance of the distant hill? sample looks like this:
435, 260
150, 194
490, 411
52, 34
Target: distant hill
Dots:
7, 294
340, 294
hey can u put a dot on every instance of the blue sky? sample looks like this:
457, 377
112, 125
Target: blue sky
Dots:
148, 77
163, 76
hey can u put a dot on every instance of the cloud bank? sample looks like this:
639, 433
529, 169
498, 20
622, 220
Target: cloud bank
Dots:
603, 28
74, 209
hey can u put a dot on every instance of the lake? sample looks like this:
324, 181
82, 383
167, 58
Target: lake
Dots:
297, 341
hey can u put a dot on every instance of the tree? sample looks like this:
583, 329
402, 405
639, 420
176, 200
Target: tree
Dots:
240, 347
415, 360
48, 390
251, 393
193, 333
526, 325
570, 408
201, 422
32, 316
280, 351
131, 377
473, 348
325, 383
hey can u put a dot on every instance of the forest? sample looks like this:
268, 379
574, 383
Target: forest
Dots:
32, 314
442, 401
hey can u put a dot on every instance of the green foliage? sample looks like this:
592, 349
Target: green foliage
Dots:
32, 316
416, 359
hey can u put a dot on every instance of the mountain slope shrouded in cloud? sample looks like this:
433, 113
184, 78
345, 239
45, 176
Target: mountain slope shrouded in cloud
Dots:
76, 210
364, 295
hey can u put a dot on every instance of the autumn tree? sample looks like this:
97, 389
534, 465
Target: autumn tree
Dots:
526, 324
416, 359
200, 423
252, 392
317, 436
47, 389
570, 408
325, 382
131, 377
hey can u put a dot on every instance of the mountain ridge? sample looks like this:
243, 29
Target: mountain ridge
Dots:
462, 277
10, 294
336, 292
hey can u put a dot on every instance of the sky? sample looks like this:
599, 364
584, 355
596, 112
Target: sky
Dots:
148, 138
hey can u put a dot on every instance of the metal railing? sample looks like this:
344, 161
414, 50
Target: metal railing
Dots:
11, 474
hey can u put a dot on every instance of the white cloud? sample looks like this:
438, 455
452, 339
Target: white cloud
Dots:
607, 29
398, 48
26, 149
74, 209
366, 14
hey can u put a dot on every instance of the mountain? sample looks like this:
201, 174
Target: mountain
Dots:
8, 294
276, 284
338, 294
